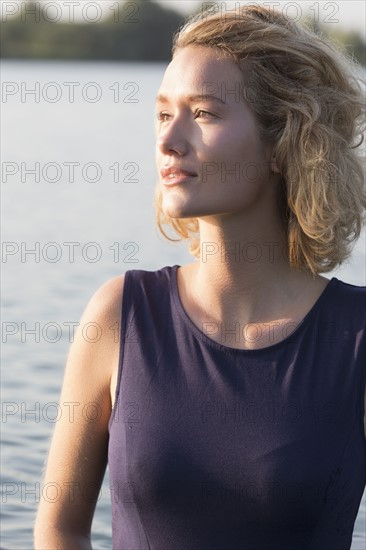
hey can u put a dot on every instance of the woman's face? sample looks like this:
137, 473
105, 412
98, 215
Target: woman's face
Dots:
209, 155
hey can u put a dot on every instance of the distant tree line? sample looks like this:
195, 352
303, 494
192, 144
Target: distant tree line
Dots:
134, 30
351, 41
143, 31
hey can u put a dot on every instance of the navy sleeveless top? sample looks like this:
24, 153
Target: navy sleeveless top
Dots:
217, 448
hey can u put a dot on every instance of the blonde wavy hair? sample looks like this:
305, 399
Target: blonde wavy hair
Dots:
310, 103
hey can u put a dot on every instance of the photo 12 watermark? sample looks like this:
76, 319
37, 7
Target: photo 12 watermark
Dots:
70, 11
321, 12
69, 411
69, 251
52, 332
269, 411
69, 92
69, 172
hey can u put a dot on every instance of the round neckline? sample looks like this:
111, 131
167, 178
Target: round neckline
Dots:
221, 347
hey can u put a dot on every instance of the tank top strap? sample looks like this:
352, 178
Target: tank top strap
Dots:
146, 313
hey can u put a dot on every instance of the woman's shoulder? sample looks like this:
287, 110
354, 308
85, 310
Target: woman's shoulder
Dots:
106, 302
347, 307
351, 288
109, 291
107, 299
351, 295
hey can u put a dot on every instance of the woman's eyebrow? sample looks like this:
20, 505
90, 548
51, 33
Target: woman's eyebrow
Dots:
160, 98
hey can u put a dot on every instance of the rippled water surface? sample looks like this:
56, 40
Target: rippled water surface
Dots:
110, 222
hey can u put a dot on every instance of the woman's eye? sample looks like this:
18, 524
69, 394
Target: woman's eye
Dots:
203, 114
162, 117
199, 113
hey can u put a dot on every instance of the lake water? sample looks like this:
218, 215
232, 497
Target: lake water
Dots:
78, 182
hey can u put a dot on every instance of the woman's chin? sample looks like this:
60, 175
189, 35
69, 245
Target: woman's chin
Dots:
177, 209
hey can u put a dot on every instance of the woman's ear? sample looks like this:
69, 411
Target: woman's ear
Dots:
273, 164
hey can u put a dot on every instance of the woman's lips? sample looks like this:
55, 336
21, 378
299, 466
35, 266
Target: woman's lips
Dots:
176, 179
174, 175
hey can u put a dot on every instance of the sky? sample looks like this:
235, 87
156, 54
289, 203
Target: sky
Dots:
346, 14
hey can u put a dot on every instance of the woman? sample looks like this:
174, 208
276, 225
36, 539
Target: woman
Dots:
237, 385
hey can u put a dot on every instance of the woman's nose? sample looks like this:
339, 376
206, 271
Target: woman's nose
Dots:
172, 138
